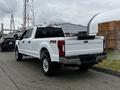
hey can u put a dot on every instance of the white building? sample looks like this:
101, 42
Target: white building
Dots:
72, 27
113, 15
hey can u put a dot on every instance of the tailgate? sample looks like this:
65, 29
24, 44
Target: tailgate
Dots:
74, 47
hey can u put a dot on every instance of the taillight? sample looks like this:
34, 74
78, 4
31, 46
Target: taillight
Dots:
61, 47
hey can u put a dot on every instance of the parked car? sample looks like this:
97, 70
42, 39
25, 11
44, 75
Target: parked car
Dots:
54, 48
7, 43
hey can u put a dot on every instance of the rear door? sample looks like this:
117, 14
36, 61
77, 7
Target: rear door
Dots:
46, 36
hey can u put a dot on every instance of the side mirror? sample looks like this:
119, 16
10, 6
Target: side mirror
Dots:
20, 38
16, 37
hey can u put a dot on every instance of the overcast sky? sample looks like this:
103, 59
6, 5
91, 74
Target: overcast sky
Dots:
57, 11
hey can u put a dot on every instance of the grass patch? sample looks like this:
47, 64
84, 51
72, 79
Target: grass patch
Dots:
110, 63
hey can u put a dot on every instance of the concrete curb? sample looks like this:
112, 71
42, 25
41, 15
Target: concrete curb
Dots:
115, 73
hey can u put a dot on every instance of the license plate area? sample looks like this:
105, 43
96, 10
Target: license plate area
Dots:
87, 59
10, 43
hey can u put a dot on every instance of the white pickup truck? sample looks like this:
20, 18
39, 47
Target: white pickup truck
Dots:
55, 47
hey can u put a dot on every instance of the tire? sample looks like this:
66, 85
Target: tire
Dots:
10, 49
2, 49
47, 65
18, 56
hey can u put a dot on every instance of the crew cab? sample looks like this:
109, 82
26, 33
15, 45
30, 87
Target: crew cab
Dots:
55, 47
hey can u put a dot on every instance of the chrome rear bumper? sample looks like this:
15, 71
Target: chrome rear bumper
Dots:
77, 61
70, 61
101, 57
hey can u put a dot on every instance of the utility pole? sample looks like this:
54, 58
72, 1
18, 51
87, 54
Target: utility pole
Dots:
24, 14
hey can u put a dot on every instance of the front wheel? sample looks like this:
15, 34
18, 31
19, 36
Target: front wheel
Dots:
2, 49
18, 56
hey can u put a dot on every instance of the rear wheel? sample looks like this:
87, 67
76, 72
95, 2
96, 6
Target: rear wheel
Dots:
18, 56
47, 66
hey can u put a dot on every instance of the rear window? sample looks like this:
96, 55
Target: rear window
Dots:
49, 32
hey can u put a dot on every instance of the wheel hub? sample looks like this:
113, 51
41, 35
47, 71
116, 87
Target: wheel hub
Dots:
45, 65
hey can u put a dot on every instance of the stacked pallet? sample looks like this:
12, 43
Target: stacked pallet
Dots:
111, 32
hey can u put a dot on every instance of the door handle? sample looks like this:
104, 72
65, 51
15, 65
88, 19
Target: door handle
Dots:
28, 41
23, 41
85, 41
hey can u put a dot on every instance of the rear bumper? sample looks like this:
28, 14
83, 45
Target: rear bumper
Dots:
78, 60
75, 61
101, 57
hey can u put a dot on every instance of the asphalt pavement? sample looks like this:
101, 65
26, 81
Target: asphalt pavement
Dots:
27, 75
